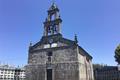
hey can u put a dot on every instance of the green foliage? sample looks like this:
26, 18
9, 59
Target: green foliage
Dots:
117, 54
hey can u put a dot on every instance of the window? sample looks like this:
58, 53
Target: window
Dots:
49, 54
1, 72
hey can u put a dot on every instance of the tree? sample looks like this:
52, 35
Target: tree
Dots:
117, 54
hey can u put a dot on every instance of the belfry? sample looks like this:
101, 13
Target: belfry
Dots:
53, 21
55, 57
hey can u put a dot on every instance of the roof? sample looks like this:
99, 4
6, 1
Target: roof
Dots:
58, 38
107, 68
8, 67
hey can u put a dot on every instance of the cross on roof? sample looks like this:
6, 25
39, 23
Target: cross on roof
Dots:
53, 1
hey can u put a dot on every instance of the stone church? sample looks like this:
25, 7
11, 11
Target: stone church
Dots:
55, 57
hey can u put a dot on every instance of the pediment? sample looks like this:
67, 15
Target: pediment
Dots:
52, 41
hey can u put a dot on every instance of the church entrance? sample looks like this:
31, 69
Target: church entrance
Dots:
49, 74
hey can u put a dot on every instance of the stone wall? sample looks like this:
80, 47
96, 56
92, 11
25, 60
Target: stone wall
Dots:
67, 63
64, 65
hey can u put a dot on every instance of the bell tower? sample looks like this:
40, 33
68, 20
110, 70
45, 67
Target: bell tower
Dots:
53, 21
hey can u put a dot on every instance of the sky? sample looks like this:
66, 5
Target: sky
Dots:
96, 23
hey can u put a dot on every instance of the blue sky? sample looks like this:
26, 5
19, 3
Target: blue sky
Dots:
96, 23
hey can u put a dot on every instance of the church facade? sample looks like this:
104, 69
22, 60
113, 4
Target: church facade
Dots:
55, 57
